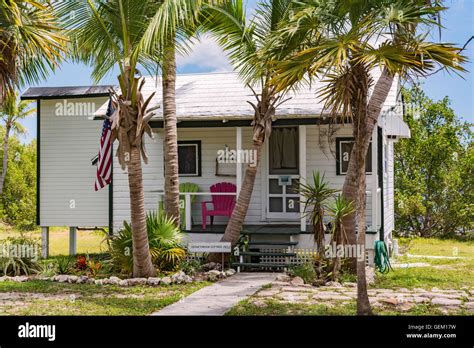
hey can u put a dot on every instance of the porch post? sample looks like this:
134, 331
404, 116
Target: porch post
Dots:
188, 213
72, 240
375, 179
302, 160
44, 242
238, 167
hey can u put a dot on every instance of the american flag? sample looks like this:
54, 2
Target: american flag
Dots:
104, 162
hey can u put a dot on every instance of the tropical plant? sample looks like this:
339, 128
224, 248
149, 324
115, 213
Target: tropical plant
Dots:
343, 51
434, 189
243, 40
11, 112
65, 264
31, 43
19, 256
338, 211
129, 34
165, 244
315, 198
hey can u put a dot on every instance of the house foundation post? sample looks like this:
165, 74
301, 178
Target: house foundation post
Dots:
72, 240
44, 242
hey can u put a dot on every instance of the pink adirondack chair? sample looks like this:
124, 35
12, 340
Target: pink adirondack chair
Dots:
223, 205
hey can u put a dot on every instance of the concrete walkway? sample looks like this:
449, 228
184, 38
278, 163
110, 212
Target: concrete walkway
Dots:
218, 298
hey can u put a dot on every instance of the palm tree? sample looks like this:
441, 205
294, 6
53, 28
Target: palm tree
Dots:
31, 43
174, 23
345, 54
243, 40
11, 112
132, 34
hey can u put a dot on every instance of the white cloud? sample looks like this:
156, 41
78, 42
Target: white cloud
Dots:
206, 55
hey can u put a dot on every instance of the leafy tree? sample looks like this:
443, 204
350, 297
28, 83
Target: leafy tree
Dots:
18, 201
11, 112
434, 178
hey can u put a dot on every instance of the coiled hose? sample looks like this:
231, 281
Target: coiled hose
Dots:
381, 259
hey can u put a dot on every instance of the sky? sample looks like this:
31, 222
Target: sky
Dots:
206, 56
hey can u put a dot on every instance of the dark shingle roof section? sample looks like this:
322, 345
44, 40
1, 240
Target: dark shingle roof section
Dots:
63, 92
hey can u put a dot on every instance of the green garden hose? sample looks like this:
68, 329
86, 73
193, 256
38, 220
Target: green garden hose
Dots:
381, 259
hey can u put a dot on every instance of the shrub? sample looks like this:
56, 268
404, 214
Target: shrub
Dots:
81, 263
305, 271
64, 264
190, 266
19, 256
164, 238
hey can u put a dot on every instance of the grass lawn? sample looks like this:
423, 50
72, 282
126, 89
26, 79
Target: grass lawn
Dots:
442, 273
452, 274
88, 242
275, 308
51, 298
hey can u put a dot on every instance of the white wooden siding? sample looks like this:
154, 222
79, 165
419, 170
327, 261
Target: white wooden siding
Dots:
67, 145
389, 213
319, 158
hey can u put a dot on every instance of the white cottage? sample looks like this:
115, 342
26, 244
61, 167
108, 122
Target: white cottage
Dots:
213, 120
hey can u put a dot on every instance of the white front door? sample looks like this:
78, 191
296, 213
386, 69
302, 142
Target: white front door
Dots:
283, 201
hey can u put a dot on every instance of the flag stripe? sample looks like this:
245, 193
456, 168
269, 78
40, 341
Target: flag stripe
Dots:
104, 162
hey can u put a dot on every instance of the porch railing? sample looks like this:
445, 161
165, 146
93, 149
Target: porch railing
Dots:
188, 212
187, 203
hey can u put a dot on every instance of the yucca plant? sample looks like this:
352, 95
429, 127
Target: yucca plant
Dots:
164, 241
18, 256
340, 208
315, 198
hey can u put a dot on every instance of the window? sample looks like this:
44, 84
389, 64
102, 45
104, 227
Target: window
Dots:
283, 148
343, 152
189, 158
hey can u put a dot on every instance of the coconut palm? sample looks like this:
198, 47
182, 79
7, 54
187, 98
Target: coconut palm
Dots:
243, 40
11, 112
345, 53
31, 43
130, 35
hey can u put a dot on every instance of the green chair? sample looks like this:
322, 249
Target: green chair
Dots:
186, 187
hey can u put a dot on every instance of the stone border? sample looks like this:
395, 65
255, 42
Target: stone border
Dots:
177, 278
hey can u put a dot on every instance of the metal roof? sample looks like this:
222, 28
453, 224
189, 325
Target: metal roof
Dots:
62, 92
223, 96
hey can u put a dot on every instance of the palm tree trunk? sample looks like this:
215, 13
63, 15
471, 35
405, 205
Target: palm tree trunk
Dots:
232, 231
351, 184
363, 303
171, 133
5, 157
264, 112
142, 265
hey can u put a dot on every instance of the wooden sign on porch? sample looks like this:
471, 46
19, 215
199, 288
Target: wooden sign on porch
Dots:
209, 247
